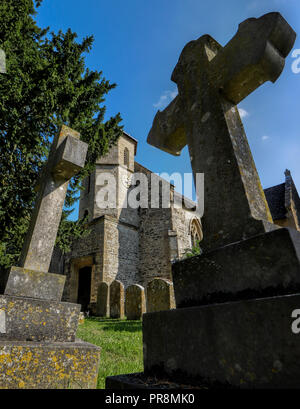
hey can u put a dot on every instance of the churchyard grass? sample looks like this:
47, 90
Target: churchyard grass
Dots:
120, 342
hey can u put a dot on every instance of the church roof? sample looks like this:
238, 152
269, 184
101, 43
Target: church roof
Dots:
132, 139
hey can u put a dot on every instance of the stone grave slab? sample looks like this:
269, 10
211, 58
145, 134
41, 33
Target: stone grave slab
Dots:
27, 319
264, 265
35, 284
248, 344
48, 365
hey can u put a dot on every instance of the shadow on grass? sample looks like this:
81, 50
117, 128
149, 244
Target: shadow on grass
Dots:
118, 325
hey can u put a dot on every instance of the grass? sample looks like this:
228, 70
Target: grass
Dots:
121, 345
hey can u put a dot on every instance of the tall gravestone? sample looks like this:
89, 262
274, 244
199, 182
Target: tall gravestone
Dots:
103, 300
116, 300
233, 322
160, 295
38, 348
135, 304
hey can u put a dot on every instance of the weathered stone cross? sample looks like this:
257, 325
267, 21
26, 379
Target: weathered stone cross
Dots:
66, 158
211, 81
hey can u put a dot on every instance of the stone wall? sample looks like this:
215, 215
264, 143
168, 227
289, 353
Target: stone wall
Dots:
86, 251
181, 220
154, 245
121, 252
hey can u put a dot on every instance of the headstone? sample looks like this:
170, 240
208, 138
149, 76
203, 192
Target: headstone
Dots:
103, 300
116, 300
232, 325
160, 295
37, 331
135, 305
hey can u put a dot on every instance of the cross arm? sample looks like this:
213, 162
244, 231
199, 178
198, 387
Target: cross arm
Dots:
70, 158
256, 54
167, 132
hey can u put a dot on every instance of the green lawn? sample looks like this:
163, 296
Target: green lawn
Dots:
121, 345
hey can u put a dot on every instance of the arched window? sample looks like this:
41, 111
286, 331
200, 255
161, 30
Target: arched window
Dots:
195, 231
126, 157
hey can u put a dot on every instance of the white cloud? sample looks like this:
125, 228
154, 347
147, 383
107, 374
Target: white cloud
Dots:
165, 99
243, 113
265, 137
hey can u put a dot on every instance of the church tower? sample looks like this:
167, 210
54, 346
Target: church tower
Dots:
110, 181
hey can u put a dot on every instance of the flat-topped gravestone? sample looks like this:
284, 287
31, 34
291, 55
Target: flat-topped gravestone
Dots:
160, 295
211, 80
103, 300
135, 304
116, 300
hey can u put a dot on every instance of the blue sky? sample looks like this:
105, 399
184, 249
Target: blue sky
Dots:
137, 45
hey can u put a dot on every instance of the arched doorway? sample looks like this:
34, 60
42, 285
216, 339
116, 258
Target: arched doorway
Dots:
84, 287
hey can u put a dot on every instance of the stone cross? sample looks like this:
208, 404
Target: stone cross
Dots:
66, 158
211, 80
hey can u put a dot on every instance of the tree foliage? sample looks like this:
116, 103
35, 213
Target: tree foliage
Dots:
47, 84
194, 251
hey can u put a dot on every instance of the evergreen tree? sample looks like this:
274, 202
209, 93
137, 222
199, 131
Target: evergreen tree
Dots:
46, 85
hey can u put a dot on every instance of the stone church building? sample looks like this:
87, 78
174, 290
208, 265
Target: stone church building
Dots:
135, 245
132, 245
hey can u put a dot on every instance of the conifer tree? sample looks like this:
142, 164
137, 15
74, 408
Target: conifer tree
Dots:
47, 84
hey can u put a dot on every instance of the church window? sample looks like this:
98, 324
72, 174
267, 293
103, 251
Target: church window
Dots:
126, 157
195, 232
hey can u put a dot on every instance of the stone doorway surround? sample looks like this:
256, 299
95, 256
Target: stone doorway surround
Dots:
77, 264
